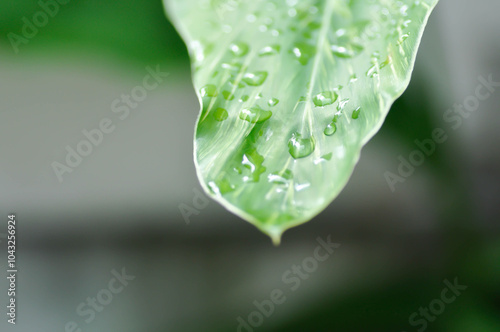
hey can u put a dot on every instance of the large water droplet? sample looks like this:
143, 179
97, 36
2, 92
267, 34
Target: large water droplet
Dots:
325, 98
255, 79
300, 147
255, 114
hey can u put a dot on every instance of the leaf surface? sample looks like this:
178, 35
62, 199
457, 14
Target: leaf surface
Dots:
290, 91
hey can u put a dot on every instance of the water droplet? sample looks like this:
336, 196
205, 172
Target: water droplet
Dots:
325, 98
327, 156
353, 78
303, 52
227, 95
330, 129
273, 102
346, 51
269, 50
239, 49
255, 79
243, 98
255, 114
252, 161
209, 90
235, 66
300, 147
355, 113
220, 114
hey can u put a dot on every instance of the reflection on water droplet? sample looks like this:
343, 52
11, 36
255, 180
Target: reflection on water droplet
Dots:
325, 98
255, 114
209, 90
353, 78
269, 50
220, 114
300, 147
273, 102
239, 49
330, 129
355, 113
255, 79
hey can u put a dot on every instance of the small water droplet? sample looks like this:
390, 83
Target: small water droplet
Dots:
342, 104
303, 52
243, 98
273, 102
269, 50
355, 113
227, 95
255, 114
300, 147
235, 66
255, 79
330, 129
239, 49
327, 156
220, 114
209, 90
325, 98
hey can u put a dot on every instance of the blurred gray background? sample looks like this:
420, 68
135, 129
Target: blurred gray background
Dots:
120, 207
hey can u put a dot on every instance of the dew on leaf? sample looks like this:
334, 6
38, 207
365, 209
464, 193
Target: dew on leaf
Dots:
255, 114
330, 129
269, 50
300, 147
220, 114
303, 52
273, 102
355, 113
256, 78
209, 90
227, 95
239, 49
325, 98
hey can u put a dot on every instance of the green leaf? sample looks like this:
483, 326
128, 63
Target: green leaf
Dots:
290, 92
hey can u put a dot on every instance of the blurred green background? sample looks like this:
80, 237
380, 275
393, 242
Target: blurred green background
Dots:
120, 207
